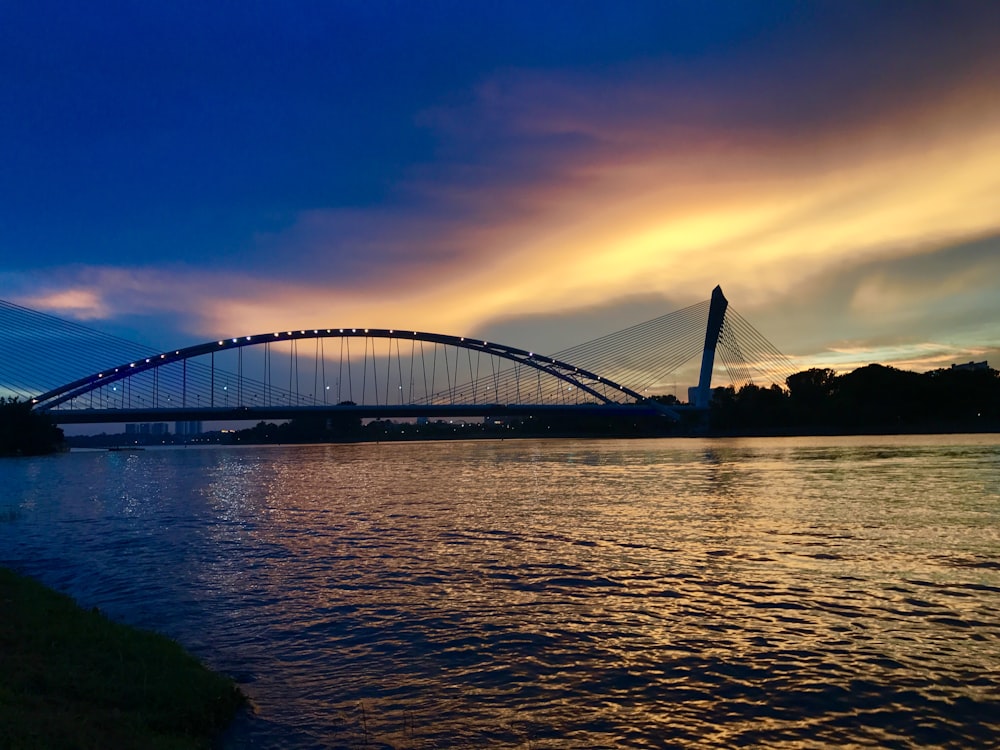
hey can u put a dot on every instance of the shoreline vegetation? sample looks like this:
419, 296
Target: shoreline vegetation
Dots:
872, 400
875, 399
72, 678
24, 432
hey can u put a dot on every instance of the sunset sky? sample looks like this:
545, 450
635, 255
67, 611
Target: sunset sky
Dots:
538, 173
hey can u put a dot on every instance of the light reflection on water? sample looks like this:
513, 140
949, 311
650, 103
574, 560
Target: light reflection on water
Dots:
793, 592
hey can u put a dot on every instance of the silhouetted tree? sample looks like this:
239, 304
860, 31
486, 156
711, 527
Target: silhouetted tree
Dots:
750, 408
317, 428
871, 398
809, 394
668, 399
24, 432
879, 397
964, 394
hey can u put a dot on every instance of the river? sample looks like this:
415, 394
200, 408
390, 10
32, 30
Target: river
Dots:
795, 592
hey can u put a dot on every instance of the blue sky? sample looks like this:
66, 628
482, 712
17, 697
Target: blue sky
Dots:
538, 173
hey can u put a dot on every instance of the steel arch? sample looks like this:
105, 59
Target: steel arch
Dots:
575, 376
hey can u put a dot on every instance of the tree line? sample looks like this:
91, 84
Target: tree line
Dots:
874, 398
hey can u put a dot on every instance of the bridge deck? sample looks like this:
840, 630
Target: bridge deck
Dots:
254, 414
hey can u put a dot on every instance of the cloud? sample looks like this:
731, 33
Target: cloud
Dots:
918, 357
555, 193
759, 223
653, 225
559, 191
73, 303
920, 310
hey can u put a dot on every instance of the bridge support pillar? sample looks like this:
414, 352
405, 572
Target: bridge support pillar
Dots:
701, 395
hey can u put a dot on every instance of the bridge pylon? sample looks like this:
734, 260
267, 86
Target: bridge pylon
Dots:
701, 395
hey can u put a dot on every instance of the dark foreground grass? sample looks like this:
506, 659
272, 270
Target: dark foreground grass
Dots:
70, 678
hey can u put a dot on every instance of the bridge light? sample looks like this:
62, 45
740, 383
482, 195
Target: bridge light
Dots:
163, 356
220, 343
234, 341
248, 338
303, 333
100, 374
147, 361
316, 331
132, 365
354, 330
276, 334
366, 330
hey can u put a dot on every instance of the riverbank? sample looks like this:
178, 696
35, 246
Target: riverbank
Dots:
72, 678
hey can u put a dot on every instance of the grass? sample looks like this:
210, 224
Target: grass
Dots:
72, 678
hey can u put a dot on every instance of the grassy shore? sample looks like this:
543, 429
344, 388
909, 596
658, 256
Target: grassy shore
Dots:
71, 678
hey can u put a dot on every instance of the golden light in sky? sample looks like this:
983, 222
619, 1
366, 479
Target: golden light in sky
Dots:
837, 198
757, 218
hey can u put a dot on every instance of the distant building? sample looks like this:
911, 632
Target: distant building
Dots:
147, 428
188, 429
973, 366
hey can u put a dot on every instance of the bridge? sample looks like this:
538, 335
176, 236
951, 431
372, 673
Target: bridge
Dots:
76, 374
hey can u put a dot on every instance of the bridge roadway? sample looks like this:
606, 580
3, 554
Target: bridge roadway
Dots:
360, 411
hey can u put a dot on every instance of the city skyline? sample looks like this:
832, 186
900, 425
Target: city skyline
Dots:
537, 176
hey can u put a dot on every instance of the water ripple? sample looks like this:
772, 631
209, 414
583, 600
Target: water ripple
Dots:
780, 593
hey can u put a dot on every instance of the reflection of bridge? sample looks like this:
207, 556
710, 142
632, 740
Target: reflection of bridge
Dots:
365, 372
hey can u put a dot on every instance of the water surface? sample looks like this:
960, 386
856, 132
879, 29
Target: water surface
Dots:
551, 594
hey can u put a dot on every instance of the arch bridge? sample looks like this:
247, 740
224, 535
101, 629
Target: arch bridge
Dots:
371, 372
366, 372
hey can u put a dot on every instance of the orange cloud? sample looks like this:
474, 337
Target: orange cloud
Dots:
78, 303
591, 245
631, 209
603, 200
